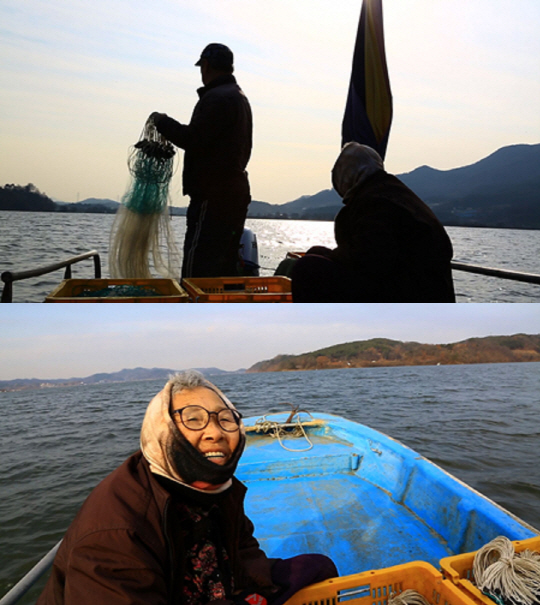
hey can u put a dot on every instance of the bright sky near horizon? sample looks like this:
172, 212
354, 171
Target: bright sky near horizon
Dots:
66, 341
79, 79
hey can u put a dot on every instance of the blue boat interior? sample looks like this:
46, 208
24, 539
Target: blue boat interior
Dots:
362, 498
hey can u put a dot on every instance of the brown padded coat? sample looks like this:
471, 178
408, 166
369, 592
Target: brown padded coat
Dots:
119, 549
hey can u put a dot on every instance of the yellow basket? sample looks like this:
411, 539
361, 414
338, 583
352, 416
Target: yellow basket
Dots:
375, 587
458, 569
238, 289
81, 290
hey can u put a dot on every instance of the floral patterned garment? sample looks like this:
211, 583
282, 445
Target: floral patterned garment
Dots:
207, 577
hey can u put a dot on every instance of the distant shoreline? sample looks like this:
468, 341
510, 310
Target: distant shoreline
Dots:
271, 218
375, 352
384, 352
500, 191
47, 385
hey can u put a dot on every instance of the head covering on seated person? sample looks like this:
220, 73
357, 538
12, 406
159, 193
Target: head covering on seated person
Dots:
354, 165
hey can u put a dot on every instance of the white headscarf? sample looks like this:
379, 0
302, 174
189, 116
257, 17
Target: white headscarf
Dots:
354, 165
158, 429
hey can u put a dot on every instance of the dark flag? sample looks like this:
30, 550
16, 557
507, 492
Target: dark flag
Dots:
368, 113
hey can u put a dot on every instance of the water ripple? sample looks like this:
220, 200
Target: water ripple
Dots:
481, 423
35, 239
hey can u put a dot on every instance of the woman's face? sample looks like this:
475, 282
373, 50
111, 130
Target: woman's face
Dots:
212, 441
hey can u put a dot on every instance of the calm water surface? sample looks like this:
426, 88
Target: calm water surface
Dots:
33, 239
479, 422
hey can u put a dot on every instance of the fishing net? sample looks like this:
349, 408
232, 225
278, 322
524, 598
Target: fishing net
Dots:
142, 227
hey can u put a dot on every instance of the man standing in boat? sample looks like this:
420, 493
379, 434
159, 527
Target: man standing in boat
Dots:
217, 144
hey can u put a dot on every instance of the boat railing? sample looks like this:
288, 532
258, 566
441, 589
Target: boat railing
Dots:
8, 277
23, 586
530, 278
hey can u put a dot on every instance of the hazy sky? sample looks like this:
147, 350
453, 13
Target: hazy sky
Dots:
78, 80
65, 341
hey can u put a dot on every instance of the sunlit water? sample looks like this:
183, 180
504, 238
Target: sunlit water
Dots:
33, 239
479, 422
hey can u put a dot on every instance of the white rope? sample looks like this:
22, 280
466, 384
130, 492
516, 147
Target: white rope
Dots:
407, 597
514, 577
280, 430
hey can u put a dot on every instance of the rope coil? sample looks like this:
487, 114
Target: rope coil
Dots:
282, 430
407, 597
507, 577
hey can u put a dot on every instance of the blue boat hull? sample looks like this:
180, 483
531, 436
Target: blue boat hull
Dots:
363, 499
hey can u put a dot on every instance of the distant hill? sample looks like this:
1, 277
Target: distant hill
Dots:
28, 198
121, 376
90, 205
303, 207
502, 190
363, 353
516, 164
384, 352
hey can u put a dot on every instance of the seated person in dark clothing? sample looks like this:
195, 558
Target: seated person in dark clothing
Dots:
390, 245
168, 525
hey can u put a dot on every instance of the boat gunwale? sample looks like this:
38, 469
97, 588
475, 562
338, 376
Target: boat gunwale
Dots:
341, 428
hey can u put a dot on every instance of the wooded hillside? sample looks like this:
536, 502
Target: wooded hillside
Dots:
385, 352
29, 198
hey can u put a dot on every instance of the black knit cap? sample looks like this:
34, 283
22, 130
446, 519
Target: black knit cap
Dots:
218, 56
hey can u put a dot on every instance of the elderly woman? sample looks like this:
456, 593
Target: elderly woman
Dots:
390, 245
168, 526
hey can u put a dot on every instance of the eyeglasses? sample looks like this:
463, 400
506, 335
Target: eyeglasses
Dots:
196, 418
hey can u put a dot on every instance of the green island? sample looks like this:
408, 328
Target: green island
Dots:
378, 352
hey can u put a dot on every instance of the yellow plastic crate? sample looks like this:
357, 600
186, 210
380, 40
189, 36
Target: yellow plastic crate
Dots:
458, 569
238, 289
82, 290
375, 587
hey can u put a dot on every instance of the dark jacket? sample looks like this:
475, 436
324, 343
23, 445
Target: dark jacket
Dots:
120, 547
396, 246
217, 141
